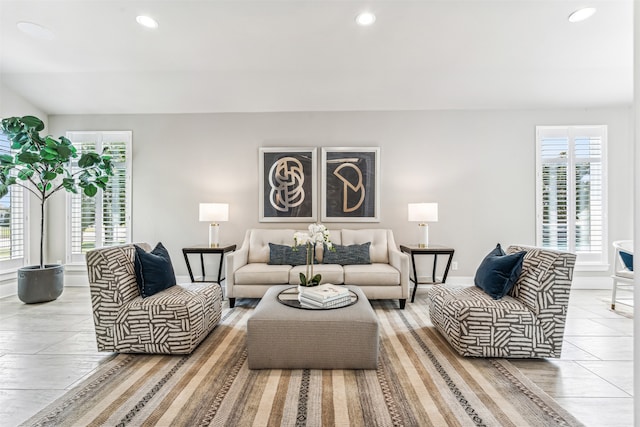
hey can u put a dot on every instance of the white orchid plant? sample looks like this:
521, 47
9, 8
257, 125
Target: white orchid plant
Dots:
317, 233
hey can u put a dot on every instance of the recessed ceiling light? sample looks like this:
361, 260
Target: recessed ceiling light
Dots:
147, 21
582, 14
35, 30
365, 18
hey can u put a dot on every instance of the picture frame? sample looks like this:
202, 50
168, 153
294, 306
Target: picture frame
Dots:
350, 179
288, 183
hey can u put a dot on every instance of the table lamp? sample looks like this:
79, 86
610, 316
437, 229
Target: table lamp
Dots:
214, 213
423, 213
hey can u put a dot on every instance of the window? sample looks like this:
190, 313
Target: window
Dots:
13, 221
571, 192
104, 220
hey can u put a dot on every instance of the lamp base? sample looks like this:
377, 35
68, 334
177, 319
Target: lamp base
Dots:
214, 235
424, 236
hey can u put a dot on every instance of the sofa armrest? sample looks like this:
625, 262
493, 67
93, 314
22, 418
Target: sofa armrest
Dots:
235, 260
400, 261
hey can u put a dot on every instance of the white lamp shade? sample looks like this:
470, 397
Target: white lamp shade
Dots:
214, 212
423, 212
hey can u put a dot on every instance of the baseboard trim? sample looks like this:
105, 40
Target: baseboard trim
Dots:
8, 289
79, 279
580, 282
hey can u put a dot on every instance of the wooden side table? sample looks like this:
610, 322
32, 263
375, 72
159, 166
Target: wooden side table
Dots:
206, 249
434, 250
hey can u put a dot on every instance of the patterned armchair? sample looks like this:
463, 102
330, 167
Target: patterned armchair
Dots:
173, 321
528, 322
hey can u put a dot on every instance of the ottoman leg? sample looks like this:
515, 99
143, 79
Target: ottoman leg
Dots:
232, 302
402, 303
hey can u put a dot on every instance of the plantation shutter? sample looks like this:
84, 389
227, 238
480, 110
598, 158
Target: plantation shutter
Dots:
103, 220
571, 191
13, 221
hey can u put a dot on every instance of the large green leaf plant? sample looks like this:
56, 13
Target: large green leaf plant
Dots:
43, 165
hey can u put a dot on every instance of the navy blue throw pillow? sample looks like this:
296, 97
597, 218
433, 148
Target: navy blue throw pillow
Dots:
627, 260
287, 255
498, 272
154, 271
347, 255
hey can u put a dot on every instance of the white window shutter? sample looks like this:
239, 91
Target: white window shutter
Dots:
13, 221
571, 192
103, 220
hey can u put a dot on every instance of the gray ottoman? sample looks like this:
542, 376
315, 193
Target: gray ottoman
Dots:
282, 337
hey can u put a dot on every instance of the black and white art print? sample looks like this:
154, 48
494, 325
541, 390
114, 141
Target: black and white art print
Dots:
350, 184
288, 184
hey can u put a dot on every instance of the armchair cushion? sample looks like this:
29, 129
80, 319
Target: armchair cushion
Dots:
154, 272
498, 272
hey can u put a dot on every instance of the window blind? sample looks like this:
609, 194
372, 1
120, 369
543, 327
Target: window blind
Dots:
571, 190
13, 221
103, 220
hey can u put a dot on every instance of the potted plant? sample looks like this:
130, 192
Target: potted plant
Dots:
42, 165
317, 233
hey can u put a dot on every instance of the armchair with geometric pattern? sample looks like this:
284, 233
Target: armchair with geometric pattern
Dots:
527, 322
172, 321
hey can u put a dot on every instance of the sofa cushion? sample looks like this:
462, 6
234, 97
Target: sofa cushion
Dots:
154, 272
347, 255
376, 274
379, 250
262, 273
287, 255
498, 272
331, 273
259, 240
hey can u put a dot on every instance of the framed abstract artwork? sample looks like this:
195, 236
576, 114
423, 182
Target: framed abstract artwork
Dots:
350, 184
288, 182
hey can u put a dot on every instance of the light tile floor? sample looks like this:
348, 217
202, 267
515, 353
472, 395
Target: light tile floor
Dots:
46, 349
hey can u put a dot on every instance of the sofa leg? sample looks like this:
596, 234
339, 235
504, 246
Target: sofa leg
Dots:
232, 302
402, 303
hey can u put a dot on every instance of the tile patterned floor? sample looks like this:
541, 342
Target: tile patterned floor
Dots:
45, 349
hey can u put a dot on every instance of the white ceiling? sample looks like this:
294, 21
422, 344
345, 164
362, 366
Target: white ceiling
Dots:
298, 55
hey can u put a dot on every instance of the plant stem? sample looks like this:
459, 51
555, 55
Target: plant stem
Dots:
41, 234
310, 259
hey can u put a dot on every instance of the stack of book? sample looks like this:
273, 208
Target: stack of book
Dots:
324, 296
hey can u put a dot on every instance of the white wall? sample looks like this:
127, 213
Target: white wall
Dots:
478, 165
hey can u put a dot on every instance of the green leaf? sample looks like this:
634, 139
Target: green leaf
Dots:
49, 175
88, 159
28, 157
303, 279
48, 187
64, 152
316, 280
69, 184
90, 190
4, 189
25, 174
33, 123
6, 159
50, 142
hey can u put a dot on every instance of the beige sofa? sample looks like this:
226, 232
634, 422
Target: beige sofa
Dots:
387, 277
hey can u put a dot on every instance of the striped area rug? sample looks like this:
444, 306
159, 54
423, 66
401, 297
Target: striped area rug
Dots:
420, 381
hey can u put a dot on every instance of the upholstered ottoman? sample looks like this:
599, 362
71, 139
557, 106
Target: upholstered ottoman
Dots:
282, 337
